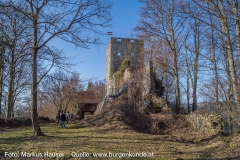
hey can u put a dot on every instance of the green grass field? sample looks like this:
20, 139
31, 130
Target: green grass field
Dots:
82, 141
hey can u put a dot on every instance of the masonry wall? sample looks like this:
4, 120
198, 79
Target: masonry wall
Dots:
119, 49
148, 79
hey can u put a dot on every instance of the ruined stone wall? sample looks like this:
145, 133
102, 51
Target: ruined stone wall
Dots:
206, 121
148, 79
119, 49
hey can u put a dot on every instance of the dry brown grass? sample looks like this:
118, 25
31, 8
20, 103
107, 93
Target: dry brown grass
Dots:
120, 129
122, 118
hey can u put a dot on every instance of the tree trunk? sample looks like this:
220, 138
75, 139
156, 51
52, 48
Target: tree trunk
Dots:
166, 86
214, 61
177, 90
234, 81
195, 73
237, 23
1, 90
229, 93
176, 78
1, 77
166, 77
10, 112
175, 68
229, 102
196, 34
10, 108
216, 81
34, 86
230, 112
188, 86
232, 69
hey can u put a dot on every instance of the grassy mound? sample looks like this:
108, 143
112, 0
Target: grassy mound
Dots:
124, 117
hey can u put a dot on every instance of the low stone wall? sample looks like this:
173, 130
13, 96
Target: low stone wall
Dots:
205, 121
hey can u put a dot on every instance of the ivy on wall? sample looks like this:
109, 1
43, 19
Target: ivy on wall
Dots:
119, 74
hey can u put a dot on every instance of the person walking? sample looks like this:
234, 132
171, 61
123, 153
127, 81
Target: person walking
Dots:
58, 117
63, 119
67, 116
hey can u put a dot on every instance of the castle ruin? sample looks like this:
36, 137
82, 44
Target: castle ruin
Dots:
131, 52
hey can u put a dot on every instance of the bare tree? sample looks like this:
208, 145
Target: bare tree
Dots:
196, 38
16, 48
2, 51
222, 12
69, 20
61, 90
235, 5
98, 87
158, 53
161, 19
188, 76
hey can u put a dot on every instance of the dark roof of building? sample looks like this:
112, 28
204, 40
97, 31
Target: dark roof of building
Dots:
88, 97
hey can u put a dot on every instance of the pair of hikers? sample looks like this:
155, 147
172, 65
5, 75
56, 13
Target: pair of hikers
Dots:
62, 117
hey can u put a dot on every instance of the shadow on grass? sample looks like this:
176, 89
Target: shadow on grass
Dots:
51, 131
193, 141
14, 140
101, 142
209, 154
77, 127
210, 138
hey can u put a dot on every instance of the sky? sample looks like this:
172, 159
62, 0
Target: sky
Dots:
92, 62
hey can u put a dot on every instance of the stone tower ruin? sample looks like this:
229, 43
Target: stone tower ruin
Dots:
126, 49
120, 49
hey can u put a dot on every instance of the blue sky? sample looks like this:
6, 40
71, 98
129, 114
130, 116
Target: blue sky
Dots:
93, 60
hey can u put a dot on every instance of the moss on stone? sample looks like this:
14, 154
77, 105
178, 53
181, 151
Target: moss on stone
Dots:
124, 65
119, 74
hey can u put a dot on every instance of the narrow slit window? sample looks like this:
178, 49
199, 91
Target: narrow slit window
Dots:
119, 54
119, 40
132, 41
